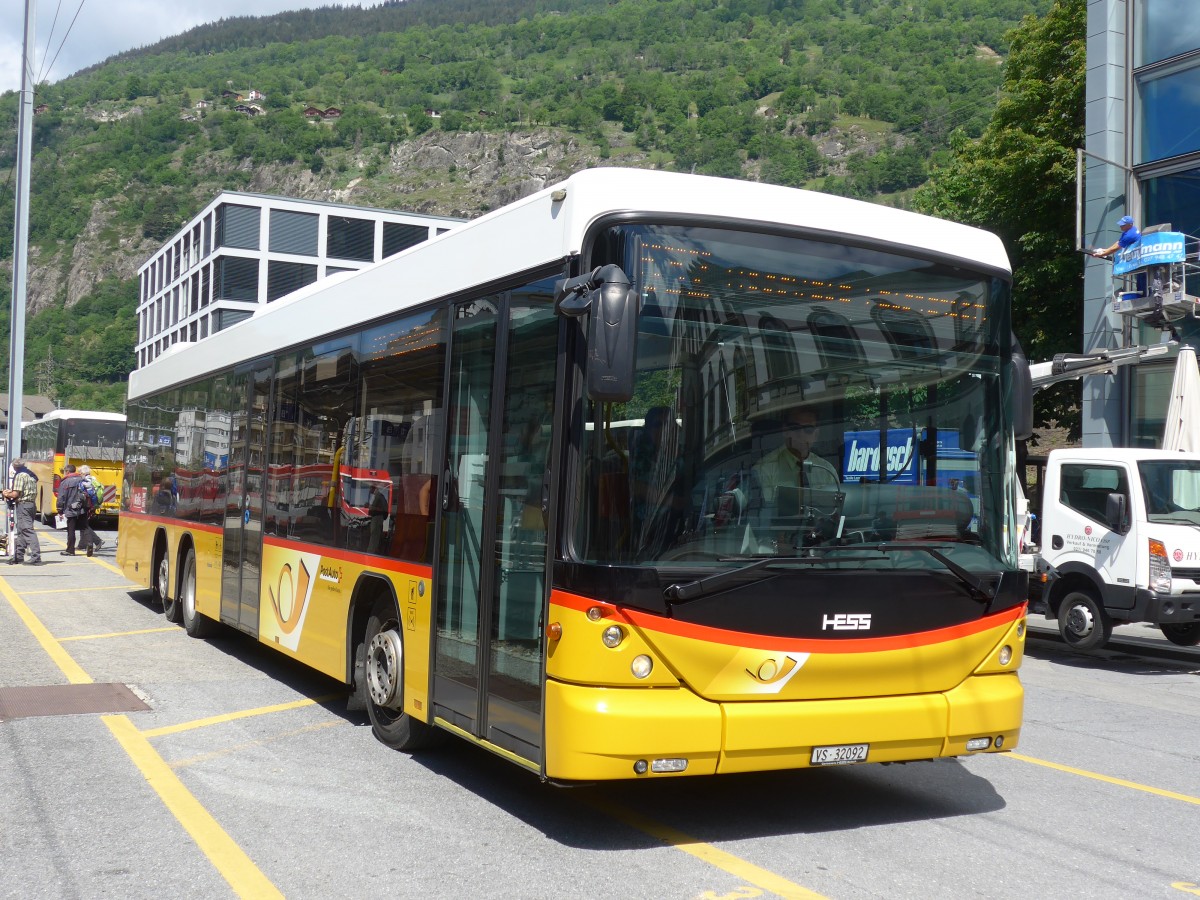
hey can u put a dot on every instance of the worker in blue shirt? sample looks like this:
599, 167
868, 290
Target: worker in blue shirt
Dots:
1129, 236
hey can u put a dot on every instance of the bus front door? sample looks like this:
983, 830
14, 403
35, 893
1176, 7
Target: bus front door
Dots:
241, 569
490, 583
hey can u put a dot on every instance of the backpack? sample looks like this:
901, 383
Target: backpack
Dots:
78, 499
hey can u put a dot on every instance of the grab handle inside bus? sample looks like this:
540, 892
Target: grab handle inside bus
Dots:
607, 294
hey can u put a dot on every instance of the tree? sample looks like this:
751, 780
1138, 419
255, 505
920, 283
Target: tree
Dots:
1018, 180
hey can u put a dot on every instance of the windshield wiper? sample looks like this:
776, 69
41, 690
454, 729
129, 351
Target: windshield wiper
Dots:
691, 590
966, 576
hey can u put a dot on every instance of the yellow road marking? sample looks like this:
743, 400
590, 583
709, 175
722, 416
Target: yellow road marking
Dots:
71, 669
230, 717
226, 856
736, 866
88, 589
249, 745
113, 634
105, 564
246, 879
1121, 782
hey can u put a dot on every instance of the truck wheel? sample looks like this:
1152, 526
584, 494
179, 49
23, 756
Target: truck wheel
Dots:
1183, 635
1083, 623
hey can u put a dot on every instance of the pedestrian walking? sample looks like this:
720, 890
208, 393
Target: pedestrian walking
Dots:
98, 490
22, 497
76, 500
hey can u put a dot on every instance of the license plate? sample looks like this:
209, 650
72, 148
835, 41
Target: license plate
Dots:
839, 754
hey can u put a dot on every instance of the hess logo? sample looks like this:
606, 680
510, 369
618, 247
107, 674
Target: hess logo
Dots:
846, 622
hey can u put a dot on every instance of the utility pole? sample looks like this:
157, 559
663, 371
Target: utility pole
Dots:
16, 337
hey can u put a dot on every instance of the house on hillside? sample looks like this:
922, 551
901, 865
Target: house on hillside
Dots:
256, 95
332, 113
432, 113
249, 110
202, 104
40, 108
231, 95
313, 112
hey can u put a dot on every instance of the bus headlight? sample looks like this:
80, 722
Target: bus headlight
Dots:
641, 666
1005, 655
613, 635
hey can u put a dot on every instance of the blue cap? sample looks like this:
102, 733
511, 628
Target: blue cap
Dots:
1124, 220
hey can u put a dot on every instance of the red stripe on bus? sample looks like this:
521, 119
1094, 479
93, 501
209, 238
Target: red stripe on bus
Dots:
167, 520
363, 559
713, 635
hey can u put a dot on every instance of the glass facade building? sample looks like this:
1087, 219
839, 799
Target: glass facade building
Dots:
245, 250
1142, 159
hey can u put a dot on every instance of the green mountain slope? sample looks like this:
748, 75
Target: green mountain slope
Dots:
850, 96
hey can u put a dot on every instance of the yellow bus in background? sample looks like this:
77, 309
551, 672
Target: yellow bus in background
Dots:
80, 437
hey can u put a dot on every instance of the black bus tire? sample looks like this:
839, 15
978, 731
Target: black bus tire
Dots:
1183, 635
383, 673
1083, 623
162, 587
194, 623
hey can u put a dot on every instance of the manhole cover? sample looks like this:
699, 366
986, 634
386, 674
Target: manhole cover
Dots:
67, 700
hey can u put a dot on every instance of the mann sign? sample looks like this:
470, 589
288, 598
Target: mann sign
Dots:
862, 451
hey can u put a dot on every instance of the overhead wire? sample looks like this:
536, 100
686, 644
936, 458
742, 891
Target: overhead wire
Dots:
70, 27
49, 38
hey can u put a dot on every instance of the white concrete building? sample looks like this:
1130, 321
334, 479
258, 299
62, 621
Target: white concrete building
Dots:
1142, 159
246, 250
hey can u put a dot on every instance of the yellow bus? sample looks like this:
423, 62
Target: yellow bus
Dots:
512, 484
80, 437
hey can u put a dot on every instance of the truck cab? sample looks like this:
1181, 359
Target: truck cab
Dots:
1120, 543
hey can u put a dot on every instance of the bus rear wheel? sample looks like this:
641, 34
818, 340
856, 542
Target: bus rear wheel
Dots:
382, 671
1083, 623
162, 587
194, 624
1183, 635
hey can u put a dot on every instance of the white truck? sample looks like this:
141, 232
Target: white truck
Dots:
1119, 542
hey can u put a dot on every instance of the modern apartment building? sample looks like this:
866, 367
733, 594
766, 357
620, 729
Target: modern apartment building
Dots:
245, 250
1142, 159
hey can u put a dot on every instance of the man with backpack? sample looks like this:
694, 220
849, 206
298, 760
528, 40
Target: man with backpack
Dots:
98, 490
76, 500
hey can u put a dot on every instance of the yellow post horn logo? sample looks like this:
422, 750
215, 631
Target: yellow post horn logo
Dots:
289, 618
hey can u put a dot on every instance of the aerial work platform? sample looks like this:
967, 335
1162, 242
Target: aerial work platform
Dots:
1157, 279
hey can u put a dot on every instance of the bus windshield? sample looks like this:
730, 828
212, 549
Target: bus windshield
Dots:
93, 439
794, 394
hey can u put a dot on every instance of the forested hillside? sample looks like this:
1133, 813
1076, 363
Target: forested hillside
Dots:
453, 107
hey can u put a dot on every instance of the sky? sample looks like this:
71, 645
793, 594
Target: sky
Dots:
104, 27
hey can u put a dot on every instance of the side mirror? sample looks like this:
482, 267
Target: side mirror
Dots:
612, 302
1114, 513
1022, 392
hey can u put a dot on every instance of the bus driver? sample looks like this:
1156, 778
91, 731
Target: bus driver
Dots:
794, 464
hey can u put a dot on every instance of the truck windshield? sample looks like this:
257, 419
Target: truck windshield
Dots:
1172, 490
794, 394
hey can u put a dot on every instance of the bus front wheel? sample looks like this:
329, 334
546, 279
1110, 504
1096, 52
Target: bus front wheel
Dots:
1083, 622
383, 673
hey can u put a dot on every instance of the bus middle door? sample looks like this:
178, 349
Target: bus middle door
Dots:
241, 569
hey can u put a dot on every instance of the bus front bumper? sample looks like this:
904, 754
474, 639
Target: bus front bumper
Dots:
596, 733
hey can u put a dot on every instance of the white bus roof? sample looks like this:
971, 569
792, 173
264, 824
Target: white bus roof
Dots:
544, 228
77, 414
